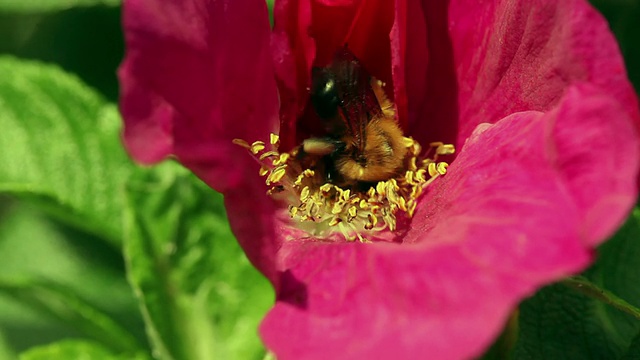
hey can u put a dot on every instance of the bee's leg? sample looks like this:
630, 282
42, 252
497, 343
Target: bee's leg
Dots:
339, 147
321, 146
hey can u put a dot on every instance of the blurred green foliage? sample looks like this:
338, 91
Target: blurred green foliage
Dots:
201, 297
85, 41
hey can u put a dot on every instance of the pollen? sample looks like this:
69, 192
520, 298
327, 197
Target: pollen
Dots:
324, 209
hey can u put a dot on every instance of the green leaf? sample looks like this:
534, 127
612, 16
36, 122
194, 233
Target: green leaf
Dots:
633, 353
33, 248
61, 146
201, 297
38, 6
562, 323
61, 303
6, 350
75, 349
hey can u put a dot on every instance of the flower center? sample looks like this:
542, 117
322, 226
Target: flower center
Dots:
358, 211
363, 172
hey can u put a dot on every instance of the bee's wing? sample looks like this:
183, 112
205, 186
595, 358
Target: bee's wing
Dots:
359, 103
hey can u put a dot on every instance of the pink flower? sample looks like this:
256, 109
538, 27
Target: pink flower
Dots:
533, 94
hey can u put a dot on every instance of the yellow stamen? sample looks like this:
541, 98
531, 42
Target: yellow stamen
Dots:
274, 139
276, 175
269, 154
257, 146
323, 208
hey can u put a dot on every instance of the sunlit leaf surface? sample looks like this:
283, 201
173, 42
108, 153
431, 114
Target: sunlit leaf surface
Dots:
200, 296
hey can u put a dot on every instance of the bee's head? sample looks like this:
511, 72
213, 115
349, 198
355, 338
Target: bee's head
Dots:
324, 93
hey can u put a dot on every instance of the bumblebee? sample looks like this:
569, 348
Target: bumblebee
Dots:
364, 143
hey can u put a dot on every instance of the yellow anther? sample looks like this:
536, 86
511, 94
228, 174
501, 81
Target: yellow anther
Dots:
416, 149
380, 188
402, 204
445, 149
442, 168
257, 146
416, 191
335, 221
276, 175
408, 177
407, 142
393, 185
274, 139
392, 196
391, 222
412, 164
326, 188
263, 171
364, 205
269, 154
353, 211
313, 209
304, 194
282, 159
412, 208
432, 169
337, 208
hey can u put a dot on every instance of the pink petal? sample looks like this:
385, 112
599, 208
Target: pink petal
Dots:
531, 58
293, 53
506, 219
308, 32
149, 121
589, 143
424, 70
251, 216
498, 57
198, 74
363, 26
409, 55
597, 153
